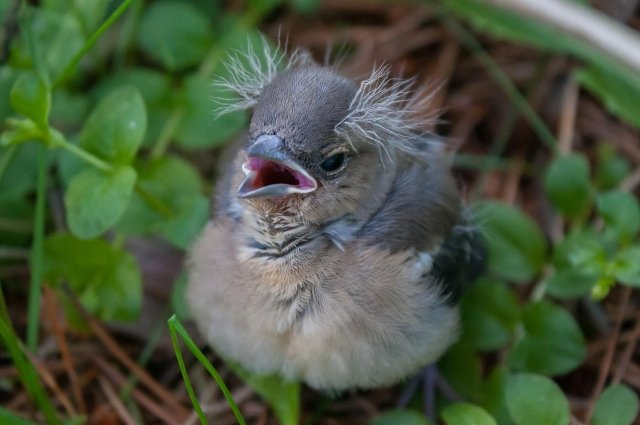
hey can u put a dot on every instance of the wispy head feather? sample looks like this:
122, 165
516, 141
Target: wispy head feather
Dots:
385, 113
251, 70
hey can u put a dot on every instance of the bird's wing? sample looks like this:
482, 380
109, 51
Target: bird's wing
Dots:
423, 213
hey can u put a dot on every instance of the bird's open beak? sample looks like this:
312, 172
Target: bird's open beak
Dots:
271, 172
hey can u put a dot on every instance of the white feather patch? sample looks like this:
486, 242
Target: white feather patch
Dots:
251, 70
385, 111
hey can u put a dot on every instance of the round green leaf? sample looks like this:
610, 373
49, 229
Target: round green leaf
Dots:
400, 417
552, 343
462, 368
567, 185
490, 313
570, 283
201, 128
95, 200
177, 208
175, 33
116, 126
8, 77
536, 400
106, 280
517, 248
612, 168
583, 250
627, 266
59, 36
621, 213
492, 395
617, 405
30, 96
466, 414
156, 90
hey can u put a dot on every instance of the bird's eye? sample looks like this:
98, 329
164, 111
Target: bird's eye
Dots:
334, 162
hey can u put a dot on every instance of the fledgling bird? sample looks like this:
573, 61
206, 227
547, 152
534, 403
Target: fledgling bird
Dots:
339, 244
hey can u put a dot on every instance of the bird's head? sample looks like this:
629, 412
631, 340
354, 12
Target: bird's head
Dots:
319, 143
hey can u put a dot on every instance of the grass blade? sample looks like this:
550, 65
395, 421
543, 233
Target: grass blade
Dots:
176, 328
71, 66
35, 287
26, 371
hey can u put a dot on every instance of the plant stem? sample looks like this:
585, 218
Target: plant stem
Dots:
60, 141
35, 287
64, 75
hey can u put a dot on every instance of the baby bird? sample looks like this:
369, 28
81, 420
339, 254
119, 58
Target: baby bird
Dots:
339, 245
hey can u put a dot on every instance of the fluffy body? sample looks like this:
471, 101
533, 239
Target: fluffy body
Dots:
325, 304
353, 284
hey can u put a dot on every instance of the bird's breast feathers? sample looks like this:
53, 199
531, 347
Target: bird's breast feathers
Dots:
319, 313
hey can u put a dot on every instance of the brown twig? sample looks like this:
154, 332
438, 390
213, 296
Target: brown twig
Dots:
165, 414
115, 402
112, 346
51, 311
625, 358
51, 383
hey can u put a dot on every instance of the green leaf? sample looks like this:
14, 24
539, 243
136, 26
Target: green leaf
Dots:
567, 283
19, 177
627, 266
583, 250
517, 249
462, 368
89, 12
283, 396
617, 405
116, 126
175, 33
305, 6
106, 280
400, 417
612, 167
200, 127
536, 400
156, 90
567, 185
7, 417
618, 95
490, 313
31, 97
8, 78
178, 209
187, 225
69, 109
95, 200
466, 414
58, 35
492, 395
621, 213
552, 343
